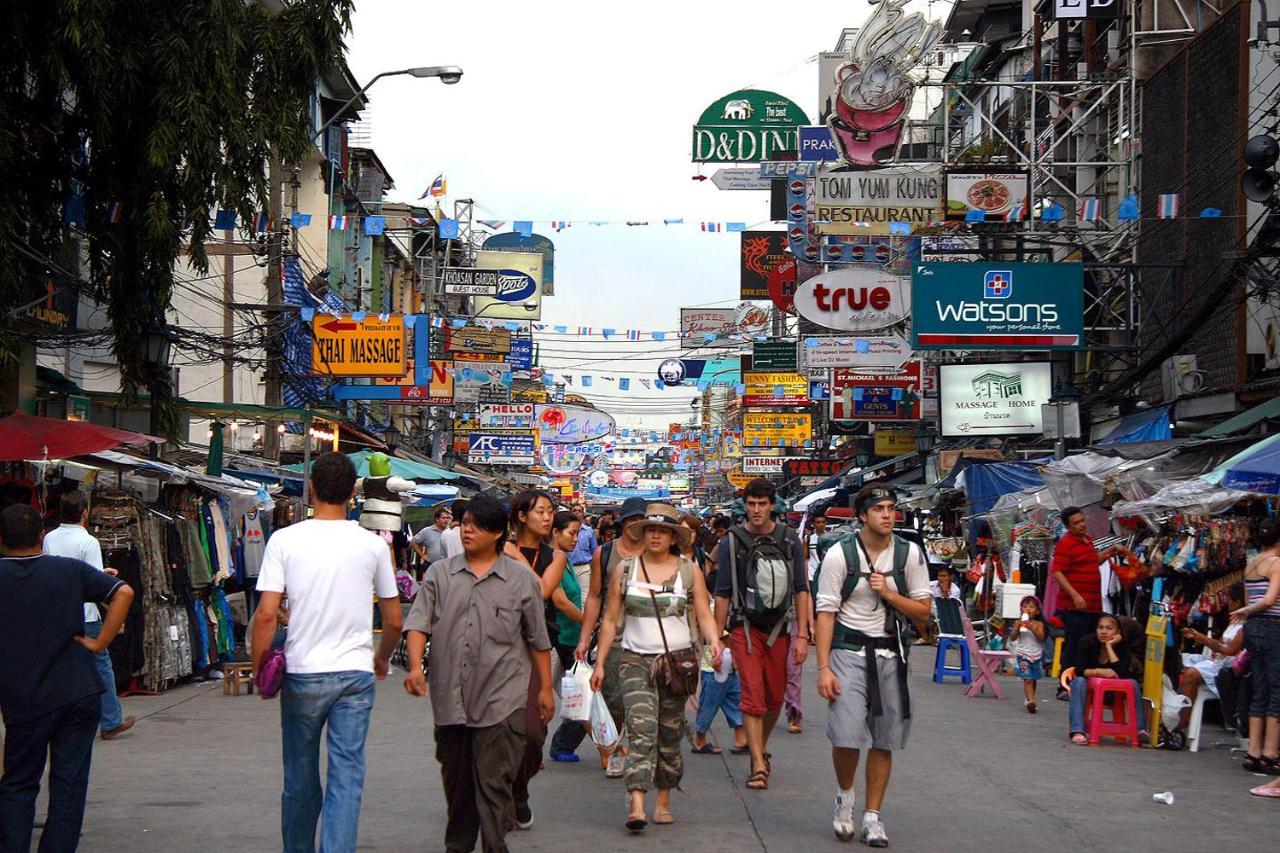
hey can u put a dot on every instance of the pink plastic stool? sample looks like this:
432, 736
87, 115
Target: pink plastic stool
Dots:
1124, 712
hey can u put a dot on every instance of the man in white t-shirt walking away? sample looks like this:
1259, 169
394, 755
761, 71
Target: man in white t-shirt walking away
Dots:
329, 567
862, 669
73, 539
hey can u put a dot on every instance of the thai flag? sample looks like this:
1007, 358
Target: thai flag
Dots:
634, 222
1089, 210
115, 212
559, 224
1015, 213
420, 221
436, 190
710, 226
584, 330
633, 335
261, 222
1168, 208
337, 223
492, 224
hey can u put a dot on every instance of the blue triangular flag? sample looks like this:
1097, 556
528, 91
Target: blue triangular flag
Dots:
1053, 213
358, 316
811, 343
225, 220
586, 381
624, 384
448, 229
1128, 209
975, 216
899, 229
708, 338
507, 378
458, 322
73, 210
608, 333
735, 226
300, 220
307, 314
522, 227
512, 326
659, 336
1211, 213
548, 380
560, 330
374, 224
740, 389
659, 384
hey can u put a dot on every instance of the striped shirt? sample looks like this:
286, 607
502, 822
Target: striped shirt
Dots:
1256, 590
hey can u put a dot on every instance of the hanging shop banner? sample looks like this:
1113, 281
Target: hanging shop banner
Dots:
571, 424
739, 179
508, 416
479, 384
476, 339
855, 299
773, 355
612, 494
519, 289
989, 306
757, 465
782, 285
761, 253
432, 385
876, 395
514, 241
1064, 10
751, 319
866, 202
990, 193
565, 459
465, 281
480, 357
775, 388
775, 429
895, 442
747, 126
817, 144
820, 390
995, 399
489, 449
697, 323
343, 346
871, 351
814, 467
738, 479
521, 355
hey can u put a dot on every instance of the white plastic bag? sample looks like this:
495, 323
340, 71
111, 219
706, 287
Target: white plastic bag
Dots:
1173, 702
603, 731
575, 694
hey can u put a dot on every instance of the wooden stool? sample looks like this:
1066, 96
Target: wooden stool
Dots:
235, 675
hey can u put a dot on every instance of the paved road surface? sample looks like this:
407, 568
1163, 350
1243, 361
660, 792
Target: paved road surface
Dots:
201, 772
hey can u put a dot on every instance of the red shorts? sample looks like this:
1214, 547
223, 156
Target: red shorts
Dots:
762, 671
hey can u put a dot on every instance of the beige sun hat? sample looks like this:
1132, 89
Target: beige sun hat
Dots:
661, 514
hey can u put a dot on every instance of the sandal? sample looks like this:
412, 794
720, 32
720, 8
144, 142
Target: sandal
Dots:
1079, 739
758, 780
739, 750
705, 749
1259, 764
662, 817
794, 728
636, 823
1270, 791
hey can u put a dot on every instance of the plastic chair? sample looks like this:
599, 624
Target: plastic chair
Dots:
1056, 669
986, 661
940, 669
1197, 717
1123, 724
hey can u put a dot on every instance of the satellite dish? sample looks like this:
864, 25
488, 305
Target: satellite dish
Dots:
1261, 152
1258, 185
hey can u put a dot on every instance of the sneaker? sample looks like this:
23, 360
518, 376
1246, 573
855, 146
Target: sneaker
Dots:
873, 834
109, 734
565, 757
524, 817
842, 819
617, 762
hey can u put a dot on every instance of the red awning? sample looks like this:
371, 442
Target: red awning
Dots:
26, 437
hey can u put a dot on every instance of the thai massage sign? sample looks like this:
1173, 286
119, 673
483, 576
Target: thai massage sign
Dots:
856, 299
866, 202
747, 126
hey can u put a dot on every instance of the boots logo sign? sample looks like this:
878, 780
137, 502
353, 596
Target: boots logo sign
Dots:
854, 300
515, 286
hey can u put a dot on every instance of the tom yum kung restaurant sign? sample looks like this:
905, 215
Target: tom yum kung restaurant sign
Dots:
866, 202
747, 126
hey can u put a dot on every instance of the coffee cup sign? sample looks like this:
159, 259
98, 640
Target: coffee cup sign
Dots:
854, 300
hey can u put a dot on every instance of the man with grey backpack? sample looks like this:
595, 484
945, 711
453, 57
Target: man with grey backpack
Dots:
761, 586
870, 586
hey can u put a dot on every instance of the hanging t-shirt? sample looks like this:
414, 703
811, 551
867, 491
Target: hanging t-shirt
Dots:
330, 570
255, 543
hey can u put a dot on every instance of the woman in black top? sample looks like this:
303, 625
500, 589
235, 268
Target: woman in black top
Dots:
1102, 654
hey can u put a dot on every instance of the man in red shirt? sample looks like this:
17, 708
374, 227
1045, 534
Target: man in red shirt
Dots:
1076, 569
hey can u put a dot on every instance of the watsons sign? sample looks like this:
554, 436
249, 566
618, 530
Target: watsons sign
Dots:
858, 202
1005, 306
747, 126
859, 299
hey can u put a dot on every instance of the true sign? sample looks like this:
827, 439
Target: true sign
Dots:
857, 299
342, 346
465, 281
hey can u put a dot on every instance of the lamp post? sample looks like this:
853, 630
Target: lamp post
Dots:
156, 345
926, 438
1063, 399
448, 74
391, 435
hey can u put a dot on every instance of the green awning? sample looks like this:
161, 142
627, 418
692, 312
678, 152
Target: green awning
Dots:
1244, 420
405, 468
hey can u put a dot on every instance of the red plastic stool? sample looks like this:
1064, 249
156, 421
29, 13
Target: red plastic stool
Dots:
1124, 711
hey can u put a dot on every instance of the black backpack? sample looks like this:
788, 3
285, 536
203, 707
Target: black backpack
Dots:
767, 600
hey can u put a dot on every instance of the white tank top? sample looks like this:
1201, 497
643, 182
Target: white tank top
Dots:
640, 633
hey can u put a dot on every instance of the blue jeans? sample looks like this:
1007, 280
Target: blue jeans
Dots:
1076, 705
112, 714
343, 700
718, 696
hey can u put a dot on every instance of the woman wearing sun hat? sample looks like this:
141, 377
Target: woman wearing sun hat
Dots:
657, 581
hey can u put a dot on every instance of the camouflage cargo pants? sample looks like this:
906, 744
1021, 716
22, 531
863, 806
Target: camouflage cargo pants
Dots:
655, 727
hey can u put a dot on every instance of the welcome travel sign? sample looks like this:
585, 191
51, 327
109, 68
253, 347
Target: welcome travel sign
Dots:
997, 306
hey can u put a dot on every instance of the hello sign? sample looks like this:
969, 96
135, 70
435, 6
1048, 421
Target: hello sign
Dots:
858, 299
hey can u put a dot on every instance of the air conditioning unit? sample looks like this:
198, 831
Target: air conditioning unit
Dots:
1179, 377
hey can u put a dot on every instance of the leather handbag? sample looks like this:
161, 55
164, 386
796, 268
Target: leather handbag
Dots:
675, 673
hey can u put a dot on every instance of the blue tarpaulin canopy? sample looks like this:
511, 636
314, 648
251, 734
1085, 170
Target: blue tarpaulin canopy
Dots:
1254, 469
986, 482
1151, 425
405, 468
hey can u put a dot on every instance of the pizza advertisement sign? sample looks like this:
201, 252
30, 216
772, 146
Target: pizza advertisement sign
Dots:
992, 193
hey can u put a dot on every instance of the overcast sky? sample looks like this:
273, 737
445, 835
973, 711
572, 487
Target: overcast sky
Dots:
583, 111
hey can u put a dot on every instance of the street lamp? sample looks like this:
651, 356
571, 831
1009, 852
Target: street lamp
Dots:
156, 344
926, 438
448, 74
1065, 400
391, 435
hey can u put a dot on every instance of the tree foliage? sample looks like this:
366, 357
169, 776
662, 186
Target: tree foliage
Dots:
170, 109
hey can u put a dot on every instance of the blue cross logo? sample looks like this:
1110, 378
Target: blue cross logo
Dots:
997, 284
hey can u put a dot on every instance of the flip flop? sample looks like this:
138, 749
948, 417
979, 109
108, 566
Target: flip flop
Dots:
739, 750
636, 824
758, 780
794, 728
1079, 740
1268, 791
662, 817
705, 749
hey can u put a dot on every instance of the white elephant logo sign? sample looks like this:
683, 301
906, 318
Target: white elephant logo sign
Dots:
738, 110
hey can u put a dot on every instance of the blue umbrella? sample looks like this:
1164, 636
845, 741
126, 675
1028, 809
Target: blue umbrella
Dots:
1254, 469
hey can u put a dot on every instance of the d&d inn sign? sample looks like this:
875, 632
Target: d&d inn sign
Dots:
747, 126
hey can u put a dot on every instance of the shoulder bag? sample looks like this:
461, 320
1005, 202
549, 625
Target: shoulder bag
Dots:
675, 673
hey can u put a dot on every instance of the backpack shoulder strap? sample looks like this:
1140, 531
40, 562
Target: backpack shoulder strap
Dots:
740, 535
901, 551
852, 567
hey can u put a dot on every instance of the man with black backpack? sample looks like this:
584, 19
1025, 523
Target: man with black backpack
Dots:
761, 586
870, 586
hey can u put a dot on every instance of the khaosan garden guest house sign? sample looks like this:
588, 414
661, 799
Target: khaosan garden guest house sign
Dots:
747, 126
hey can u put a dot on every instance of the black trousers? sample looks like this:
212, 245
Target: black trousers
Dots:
478, 766
66, 736
1076, 626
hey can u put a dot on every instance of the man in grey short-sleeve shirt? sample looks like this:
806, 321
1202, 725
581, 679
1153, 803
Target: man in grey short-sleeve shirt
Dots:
483, 613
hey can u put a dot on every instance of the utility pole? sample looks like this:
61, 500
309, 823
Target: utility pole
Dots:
275, 296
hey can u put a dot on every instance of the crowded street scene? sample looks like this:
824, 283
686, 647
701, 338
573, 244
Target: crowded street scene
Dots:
559, 427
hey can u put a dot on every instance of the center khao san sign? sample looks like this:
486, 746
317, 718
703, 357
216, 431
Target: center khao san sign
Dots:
747, 126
